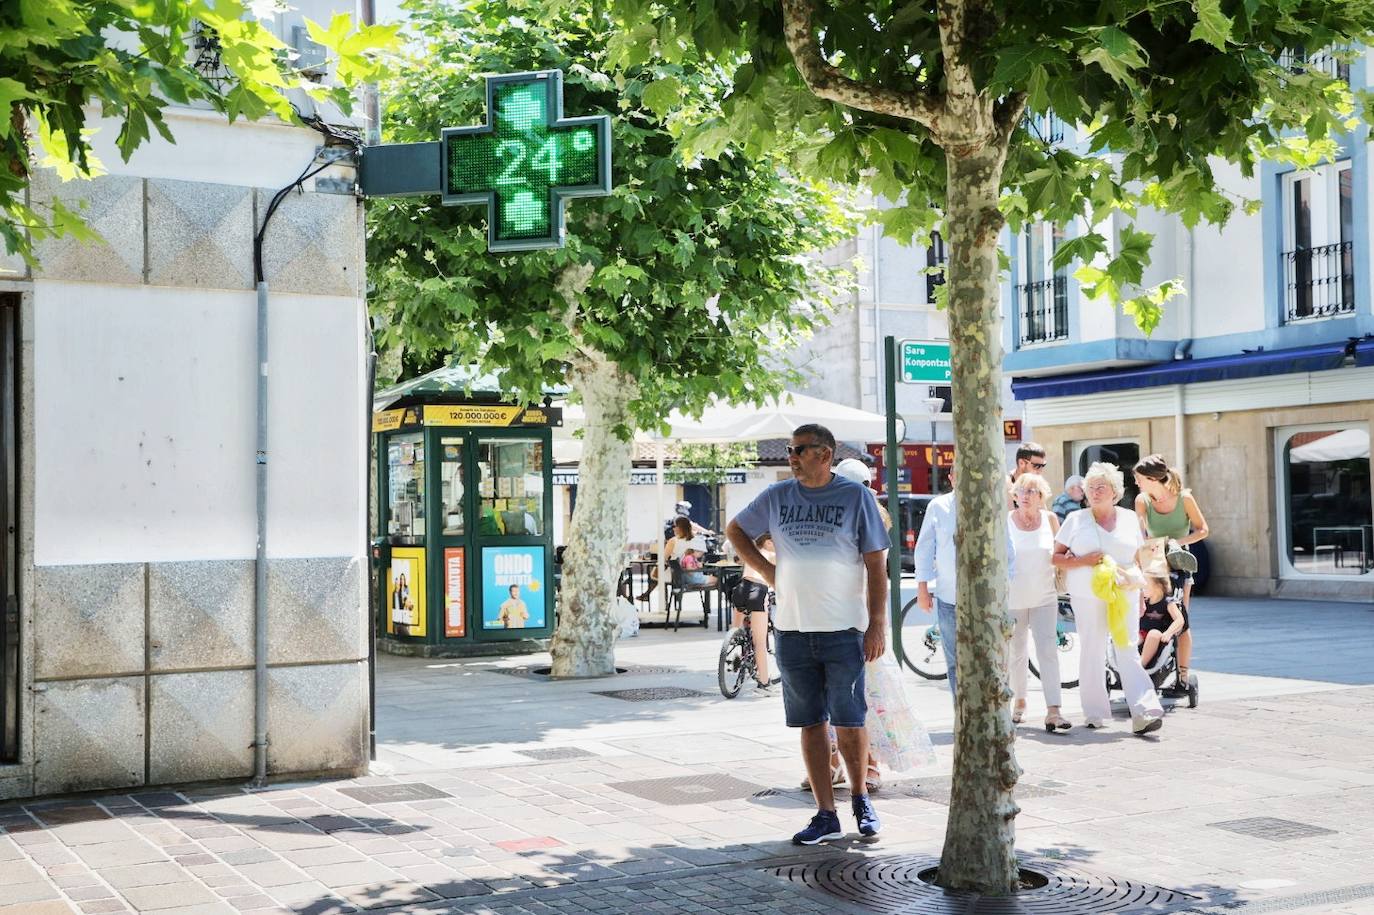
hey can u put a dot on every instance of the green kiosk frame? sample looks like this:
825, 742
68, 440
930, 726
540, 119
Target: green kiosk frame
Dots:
464, 539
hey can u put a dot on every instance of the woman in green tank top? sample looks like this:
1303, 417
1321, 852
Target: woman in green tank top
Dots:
1166, 509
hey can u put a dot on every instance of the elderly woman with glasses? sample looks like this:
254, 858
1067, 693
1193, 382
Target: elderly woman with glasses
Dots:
1033, 600
1106, 529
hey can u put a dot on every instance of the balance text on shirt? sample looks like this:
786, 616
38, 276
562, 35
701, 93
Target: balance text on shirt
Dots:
820, 536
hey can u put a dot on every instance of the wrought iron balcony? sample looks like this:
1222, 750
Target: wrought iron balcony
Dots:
1319, 282
1298, 60
1044, 310
1048, 127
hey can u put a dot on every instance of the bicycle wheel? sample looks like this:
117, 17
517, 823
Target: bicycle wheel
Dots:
734, 664
925, 656
1066, 633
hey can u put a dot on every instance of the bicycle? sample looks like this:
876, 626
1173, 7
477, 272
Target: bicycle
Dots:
738, 657
928, 658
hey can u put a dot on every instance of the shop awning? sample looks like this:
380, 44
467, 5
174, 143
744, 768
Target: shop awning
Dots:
1316, 358
1364, 352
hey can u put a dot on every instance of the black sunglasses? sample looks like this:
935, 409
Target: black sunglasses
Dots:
1040, 466
798, 449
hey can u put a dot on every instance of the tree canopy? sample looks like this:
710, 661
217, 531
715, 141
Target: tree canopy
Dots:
691, 272
60, 60
1158, 90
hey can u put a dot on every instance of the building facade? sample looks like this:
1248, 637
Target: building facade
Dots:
1256, 384
130, 458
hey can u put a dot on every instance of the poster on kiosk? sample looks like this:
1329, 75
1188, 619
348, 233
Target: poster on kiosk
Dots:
512, 587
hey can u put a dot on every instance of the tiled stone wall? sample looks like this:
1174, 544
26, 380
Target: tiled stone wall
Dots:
144, 672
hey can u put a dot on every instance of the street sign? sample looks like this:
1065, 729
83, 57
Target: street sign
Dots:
523, 163
924, 362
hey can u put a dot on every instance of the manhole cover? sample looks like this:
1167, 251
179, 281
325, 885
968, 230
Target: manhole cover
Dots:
891, 884
1272, 828
936, 789
556, 753
394, 794
652, 693
780, 798
688, 789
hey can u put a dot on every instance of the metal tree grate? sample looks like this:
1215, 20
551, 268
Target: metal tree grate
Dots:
688, 789
891, 885
1272, 828
652, 693
394, 794
547, 753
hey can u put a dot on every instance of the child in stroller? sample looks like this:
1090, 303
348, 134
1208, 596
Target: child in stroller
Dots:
1161, 620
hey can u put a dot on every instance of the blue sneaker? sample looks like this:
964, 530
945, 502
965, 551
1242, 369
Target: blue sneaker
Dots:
869, 824
824, 825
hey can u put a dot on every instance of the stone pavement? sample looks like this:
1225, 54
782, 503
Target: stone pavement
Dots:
496, 791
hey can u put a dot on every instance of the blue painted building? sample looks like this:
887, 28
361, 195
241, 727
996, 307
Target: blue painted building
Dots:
1257, 384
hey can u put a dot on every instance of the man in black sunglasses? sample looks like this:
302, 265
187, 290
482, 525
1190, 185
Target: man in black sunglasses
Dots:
831, 544
1030, 458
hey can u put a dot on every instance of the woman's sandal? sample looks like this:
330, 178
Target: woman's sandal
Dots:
1056, 722
1017, 712
837, 778
873, 779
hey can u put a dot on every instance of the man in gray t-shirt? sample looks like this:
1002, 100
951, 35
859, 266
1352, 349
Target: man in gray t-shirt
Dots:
831, 548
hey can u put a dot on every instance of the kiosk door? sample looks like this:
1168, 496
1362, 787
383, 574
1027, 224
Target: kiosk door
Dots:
403, 555
516, 560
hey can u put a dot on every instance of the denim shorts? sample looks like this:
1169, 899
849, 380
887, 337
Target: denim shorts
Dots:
823, 678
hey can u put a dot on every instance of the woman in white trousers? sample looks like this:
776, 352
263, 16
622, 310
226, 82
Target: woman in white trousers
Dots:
1104, 528
1033, 600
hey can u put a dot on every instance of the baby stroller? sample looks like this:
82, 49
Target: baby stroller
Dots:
1162, 670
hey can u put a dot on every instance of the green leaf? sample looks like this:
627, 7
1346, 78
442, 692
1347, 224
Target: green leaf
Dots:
1213, 26
663, 95
1117, 55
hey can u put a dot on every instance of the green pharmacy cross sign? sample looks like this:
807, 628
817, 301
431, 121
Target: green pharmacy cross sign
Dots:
523, 163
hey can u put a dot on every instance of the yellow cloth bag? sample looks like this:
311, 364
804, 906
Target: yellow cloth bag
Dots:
1106, 588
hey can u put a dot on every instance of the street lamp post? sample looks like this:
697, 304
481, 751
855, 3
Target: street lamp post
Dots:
934, 406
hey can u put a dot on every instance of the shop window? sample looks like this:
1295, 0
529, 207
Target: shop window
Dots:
451, 484
1124, 455
510, 487
405, 457
1324, 500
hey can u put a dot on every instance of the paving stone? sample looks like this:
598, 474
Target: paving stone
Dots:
168, 896
377, 895
271, 873
41, 907
142, 875
15, 872
248, 856
104, 905
116, 854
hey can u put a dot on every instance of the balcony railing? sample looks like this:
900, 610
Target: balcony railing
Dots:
1319, 282
1324, 61
1048, 127
1044, 310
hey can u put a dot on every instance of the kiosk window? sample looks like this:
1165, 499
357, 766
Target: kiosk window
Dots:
511, 488
451, 484
405, 458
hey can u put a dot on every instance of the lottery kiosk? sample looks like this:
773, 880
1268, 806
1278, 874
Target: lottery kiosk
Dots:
464, 547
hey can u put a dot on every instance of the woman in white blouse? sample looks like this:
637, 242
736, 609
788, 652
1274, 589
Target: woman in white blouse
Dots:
1033, 600
1104, 528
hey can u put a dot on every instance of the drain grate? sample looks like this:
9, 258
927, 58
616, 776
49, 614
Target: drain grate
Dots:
1272, 828
891, 885
556, 753
652, 693
688, 789
394, 794
936, 789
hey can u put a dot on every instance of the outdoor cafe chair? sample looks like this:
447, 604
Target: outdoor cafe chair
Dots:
679, 589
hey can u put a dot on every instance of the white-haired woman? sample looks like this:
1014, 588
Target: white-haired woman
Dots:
1106, 529
1033, 600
